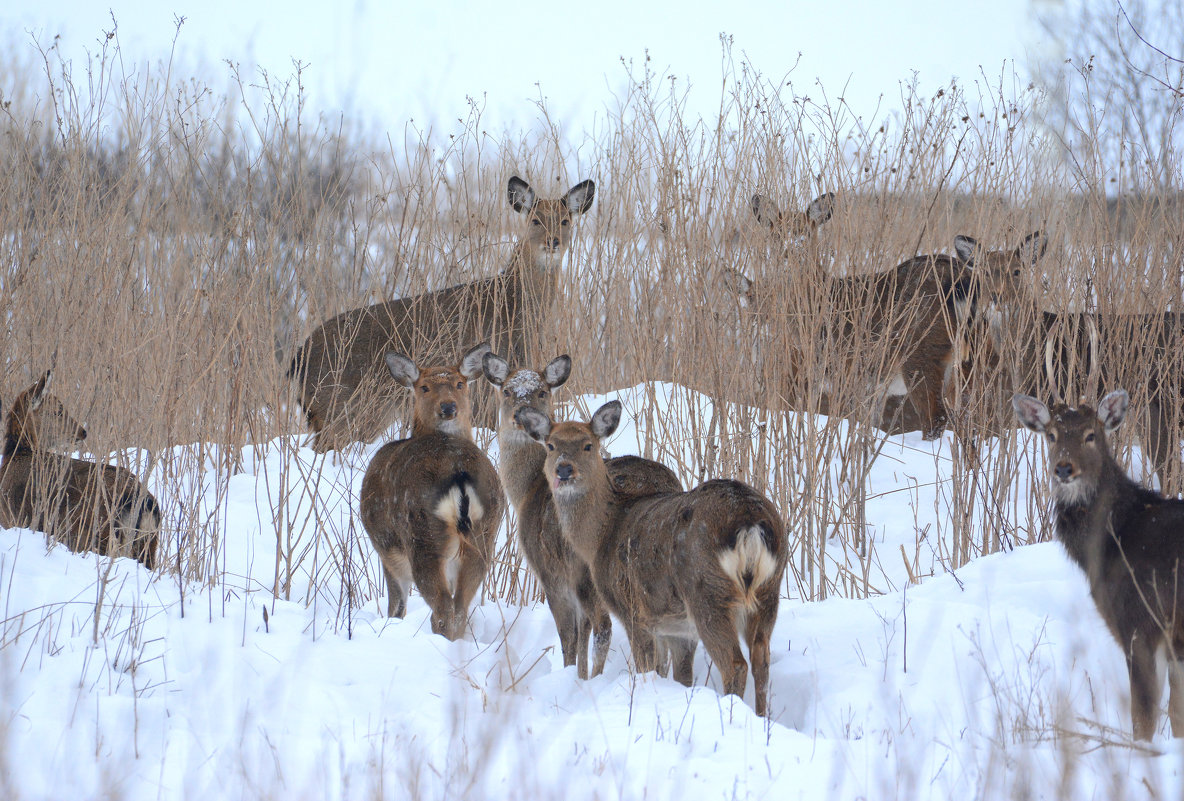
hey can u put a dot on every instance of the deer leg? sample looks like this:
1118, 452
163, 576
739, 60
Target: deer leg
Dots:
682, 654
1146, 686
1176, 694
643, 647
595, 618
722, 643
933, 411
397, 570
1160, 444
474, 564
569, 623
758, 630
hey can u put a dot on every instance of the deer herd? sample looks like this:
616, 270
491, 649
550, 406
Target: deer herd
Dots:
620, 537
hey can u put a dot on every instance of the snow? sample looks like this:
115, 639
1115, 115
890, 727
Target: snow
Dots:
995, 681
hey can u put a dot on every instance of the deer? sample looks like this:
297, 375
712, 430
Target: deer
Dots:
1037, 352
432, 503
1128, 541
339, 372
673, 567
575, 606
916, 307
87, 506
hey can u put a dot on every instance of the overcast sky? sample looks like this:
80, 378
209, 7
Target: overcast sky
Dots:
388, 62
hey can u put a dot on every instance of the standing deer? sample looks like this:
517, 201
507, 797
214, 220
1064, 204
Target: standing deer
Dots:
87, 506
575, 605
912, 313
1041, 352
432, 503
674, 567
339, 370
1128, 540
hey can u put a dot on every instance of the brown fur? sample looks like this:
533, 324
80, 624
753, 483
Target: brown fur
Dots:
432, 503
342, 382
1080, 343
87, 506
1128, 540
658, 560
914, 305
575, 605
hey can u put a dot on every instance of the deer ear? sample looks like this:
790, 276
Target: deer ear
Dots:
579, 198
402, 368
765, 210
1032, 413
496, 369
522, 197
736, 282
471, 363
40, 390
536, 424
556, 373
821, 209
965, 247
1112, 409
606, 419
1032, 248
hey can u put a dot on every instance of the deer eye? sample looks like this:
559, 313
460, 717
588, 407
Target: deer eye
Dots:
542, 393
565, 221
424, 388
460, 384
1052, 436
1089, 437
550, 447
506, 392
588, 447
536, 221
1016, 273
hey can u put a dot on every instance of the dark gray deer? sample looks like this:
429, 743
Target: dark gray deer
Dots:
575, 605
674, 567
432, 503
87, 506
1129, 541
343, 385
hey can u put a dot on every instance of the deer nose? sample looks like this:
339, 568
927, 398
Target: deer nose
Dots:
448, 410
553, 243
1063, 471
564, 471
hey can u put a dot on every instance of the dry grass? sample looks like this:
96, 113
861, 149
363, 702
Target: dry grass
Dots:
166, 248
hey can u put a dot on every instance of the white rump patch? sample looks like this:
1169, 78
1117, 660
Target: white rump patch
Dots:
897, 387
748, 559
448, 509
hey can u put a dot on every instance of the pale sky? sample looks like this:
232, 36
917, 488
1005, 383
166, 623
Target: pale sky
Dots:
387, 62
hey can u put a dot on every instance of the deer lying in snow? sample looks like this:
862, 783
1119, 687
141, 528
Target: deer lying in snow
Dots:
88, 506
1128, 540
575, 605
674, 567
432, 503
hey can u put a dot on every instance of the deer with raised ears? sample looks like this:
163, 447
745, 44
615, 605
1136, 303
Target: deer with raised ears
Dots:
674, 567
339, 372
1129, 541
87, 506
432, 503
575, 605
1060, 354
916, 308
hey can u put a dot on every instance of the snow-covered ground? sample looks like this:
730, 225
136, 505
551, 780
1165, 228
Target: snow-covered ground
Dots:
996, 681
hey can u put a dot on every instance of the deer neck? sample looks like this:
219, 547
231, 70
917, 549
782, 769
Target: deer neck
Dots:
587, 519
536, 279
1086, 526
520, 463
461, 429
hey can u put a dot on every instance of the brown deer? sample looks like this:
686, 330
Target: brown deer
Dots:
339, 371
1051, 353
1128, 540
674, 567
87, 506
575, 605
432, 503
916, 308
